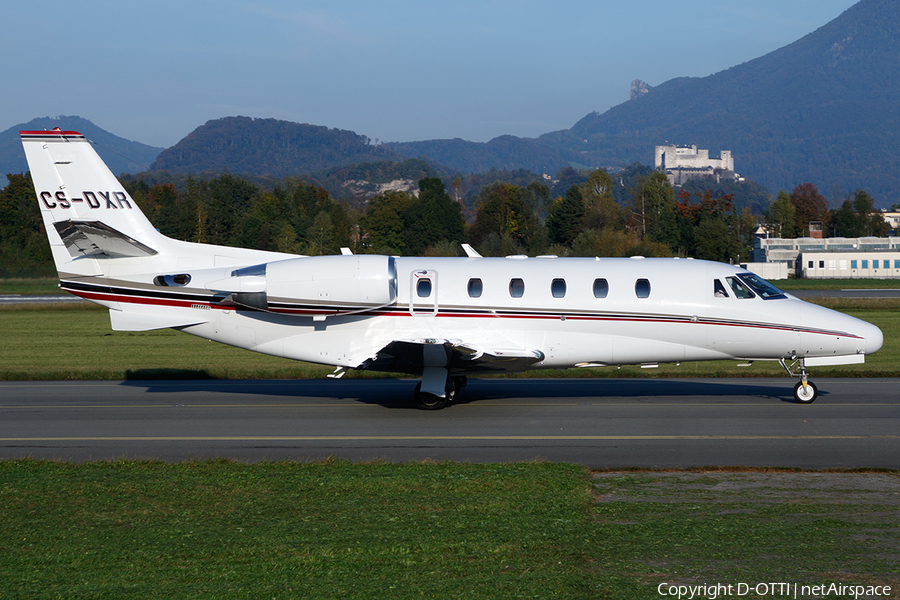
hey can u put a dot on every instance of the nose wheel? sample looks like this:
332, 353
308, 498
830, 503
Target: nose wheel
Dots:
805, 393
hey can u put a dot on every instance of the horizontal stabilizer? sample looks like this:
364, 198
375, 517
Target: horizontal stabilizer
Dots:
139, 321
98, 240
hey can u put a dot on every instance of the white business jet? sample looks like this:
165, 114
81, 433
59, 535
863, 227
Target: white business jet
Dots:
440, 318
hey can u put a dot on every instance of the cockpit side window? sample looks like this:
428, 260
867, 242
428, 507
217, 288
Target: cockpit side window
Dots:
719, 289
740, 290
763, 288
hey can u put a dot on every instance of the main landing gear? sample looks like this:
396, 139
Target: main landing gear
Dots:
805, 392
431, 401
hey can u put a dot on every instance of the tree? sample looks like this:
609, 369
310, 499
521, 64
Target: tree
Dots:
23, 242
711, 230
320, 235
537, 197
383, 225
433, 217
600, 208
857, 217
654, 209
809, 206
565, 218
504, 211
781, 216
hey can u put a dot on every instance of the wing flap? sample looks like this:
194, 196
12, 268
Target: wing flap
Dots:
412, 356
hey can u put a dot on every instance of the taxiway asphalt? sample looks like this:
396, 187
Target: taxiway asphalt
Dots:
600, 423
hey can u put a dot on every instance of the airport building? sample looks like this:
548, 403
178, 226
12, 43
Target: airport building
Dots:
837, 264
832, 258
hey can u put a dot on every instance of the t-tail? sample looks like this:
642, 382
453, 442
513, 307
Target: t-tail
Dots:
87, 213
104, 247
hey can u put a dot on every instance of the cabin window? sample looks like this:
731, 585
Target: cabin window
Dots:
423, 288
719, 289
516, 288
558, 288
475, 288
739, 288
642, 288
601, 288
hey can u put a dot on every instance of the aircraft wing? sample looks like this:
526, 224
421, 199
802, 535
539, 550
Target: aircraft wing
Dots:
412, 356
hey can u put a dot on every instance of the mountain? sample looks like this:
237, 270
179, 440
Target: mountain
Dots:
824, 109
111, 148
268, 147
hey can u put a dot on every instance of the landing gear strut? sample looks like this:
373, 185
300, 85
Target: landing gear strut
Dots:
805, 392
429, 401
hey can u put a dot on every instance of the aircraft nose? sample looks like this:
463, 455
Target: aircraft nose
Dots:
874, 339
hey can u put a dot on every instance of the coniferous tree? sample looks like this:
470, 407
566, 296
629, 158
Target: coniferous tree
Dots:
565, 218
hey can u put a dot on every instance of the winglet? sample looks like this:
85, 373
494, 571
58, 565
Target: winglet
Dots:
470, 251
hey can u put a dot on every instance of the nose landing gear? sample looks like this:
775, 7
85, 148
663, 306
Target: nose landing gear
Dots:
805, 392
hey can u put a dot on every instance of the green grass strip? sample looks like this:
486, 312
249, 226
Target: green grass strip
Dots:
731, 527
433, 530
293, 530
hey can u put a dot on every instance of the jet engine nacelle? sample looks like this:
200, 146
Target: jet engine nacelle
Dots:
337, 284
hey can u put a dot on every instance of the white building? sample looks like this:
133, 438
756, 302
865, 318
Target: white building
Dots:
892, 218
681, 163
832, 258
881, 264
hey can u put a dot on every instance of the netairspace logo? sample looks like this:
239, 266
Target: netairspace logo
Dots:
711, 591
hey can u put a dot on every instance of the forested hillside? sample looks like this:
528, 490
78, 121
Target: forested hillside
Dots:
505, 153
267, 147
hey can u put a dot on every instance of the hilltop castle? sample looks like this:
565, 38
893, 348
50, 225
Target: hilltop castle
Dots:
681, 163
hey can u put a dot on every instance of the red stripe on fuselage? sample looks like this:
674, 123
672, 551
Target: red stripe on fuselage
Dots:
400, 312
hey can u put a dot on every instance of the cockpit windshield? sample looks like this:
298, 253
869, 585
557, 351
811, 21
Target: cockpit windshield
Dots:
763, 288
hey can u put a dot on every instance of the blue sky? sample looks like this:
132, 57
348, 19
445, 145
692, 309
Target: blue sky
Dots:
394, 70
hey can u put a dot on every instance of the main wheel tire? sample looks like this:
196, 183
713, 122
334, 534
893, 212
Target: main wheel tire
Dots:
805, 395
427, 401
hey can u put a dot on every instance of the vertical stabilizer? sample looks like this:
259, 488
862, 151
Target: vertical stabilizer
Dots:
86, 211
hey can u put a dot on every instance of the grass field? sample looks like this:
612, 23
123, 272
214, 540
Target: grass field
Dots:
837, 284
39, 287
431, 530
32, 350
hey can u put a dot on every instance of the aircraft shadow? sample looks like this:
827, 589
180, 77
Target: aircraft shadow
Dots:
397, 393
